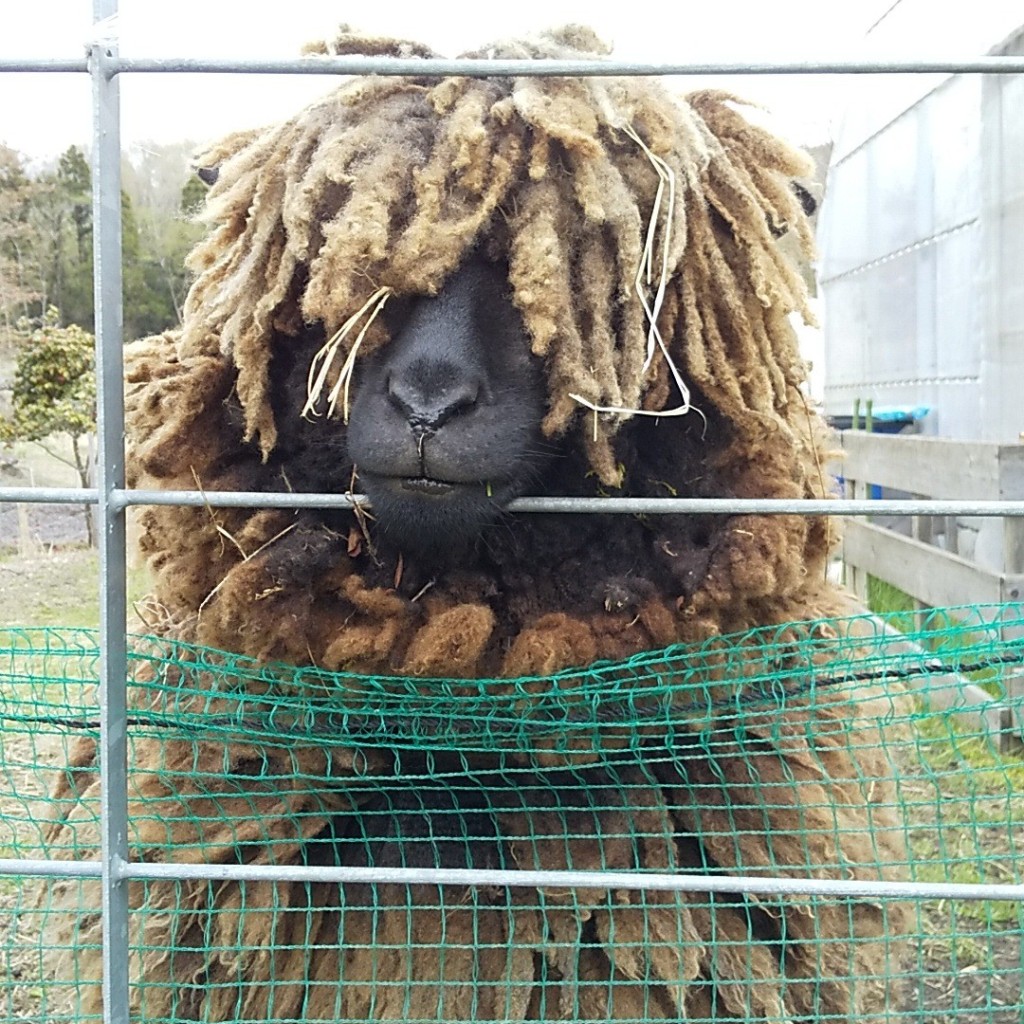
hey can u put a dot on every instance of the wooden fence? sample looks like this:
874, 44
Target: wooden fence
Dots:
927, 563
926, 560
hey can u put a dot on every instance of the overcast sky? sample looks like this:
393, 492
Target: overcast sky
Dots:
41, 115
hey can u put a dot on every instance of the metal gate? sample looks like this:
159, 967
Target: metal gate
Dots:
104, 67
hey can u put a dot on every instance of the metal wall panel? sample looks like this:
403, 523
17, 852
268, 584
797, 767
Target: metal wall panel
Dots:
913, 239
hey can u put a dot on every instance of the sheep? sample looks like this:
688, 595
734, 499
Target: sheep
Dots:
450, 293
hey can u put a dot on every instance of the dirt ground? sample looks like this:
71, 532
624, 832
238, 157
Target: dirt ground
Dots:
976, 978
48, 526
59, 588
48, 576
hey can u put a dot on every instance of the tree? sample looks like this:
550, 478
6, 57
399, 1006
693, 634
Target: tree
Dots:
193, 195
76, 182
73, 185
153, 174
20, 273
54, 395
46, 240
150, 303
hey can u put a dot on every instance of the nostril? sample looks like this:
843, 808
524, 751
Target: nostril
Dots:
399, 396
463, 399
427, 403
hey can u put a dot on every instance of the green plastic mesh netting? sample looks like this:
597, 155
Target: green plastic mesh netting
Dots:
837, 749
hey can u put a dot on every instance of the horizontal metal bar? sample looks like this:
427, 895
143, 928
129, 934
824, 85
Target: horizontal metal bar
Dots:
11, 866
612, 506
769, 506
634, 880
50, 495
478, 68
639, 881
44, 64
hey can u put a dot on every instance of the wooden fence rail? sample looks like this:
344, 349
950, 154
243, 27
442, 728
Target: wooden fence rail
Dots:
928, 558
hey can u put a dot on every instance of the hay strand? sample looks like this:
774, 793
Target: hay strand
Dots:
320, 366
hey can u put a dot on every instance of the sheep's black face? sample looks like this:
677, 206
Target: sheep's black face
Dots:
445, 425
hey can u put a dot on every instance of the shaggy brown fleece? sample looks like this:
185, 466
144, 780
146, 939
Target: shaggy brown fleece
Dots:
387, 184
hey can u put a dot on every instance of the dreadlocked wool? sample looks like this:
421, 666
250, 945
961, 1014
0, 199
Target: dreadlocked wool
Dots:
596, 193
388, 182
384, 186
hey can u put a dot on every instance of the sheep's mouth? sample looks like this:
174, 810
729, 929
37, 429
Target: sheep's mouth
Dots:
435, 516
428, 485
438, 487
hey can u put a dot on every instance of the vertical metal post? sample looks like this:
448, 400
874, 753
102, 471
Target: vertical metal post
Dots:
106, 191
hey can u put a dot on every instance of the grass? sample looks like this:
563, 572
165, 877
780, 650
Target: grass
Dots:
58, 591
56, 587
964, 810
950, 637
41, 469
885, 599
61, 588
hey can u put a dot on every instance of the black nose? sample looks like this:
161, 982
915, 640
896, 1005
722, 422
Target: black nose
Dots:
429, 394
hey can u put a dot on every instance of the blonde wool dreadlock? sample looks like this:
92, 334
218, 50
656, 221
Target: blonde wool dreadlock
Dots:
384, 186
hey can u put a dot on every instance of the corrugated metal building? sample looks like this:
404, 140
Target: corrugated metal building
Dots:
922, 231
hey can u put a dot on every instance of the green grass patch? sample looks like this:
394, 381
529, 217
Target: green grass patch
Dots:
964, 806
46, 467
59, 589
944, 633
896, 605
